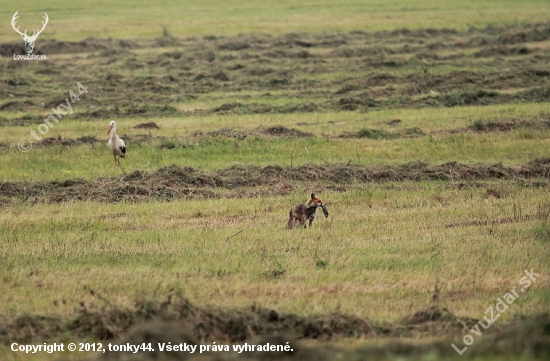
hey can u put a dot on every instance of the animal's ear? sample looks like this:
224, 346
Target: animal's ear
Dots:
312, 195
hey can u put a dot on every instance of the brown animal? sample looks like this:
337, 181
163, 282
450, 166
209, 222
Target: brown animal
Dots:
302, 212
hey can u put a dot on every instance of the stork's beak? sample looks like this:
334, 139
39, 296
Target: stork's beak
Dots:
110, 127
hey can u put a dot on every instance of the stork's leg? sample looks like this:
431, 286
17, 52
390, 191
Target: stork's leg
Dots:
120, 167
115, 165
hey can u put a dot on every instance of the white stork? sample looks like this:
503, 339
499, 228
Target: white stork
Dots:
116, 145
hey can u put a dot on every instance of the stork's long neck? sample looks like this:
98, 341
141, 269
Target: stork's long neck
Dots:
113, 133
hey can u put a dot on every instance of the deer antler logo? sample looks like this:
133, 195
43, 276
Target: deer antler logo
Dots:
29, 40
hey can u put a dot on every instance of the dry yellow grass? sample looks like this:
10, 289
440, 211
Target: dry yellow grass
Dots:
383, 250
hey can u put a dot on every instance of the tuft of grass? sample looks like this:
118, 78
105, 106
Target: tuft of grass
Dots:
373, 134
542, 231
321, 263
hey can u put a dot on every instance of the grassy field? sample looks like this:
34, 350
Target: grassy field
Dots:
138, 19
187, 142
383, 251
424, 126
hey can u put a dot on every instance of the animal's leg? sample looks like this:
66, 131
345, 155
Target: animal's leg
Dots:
290, 224
310, 222
120, 167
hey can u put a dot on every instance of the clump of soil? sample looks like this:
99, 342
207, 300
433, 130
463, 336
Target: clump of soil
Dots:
224, 132
394, 122
259, 108
508, 125
51, 141
276, 131
379, 134
285, 132
369, 133
150, 125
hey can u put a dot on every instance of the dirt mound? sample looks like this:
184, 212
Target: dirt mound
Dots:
508, 125
9, 49
14, 105
224, 132
276, 131
480, 126
368, 133
502, 51
51, 141
258, 108
52, 46
130, 110
281, 131
150, 125
394, 122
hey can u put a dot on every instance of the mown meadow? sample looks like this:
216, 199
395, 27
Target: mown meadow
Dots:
424, 126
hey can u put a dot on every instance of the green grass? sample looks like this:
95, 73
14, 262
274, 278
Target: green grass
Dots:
211, 153
137, 19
